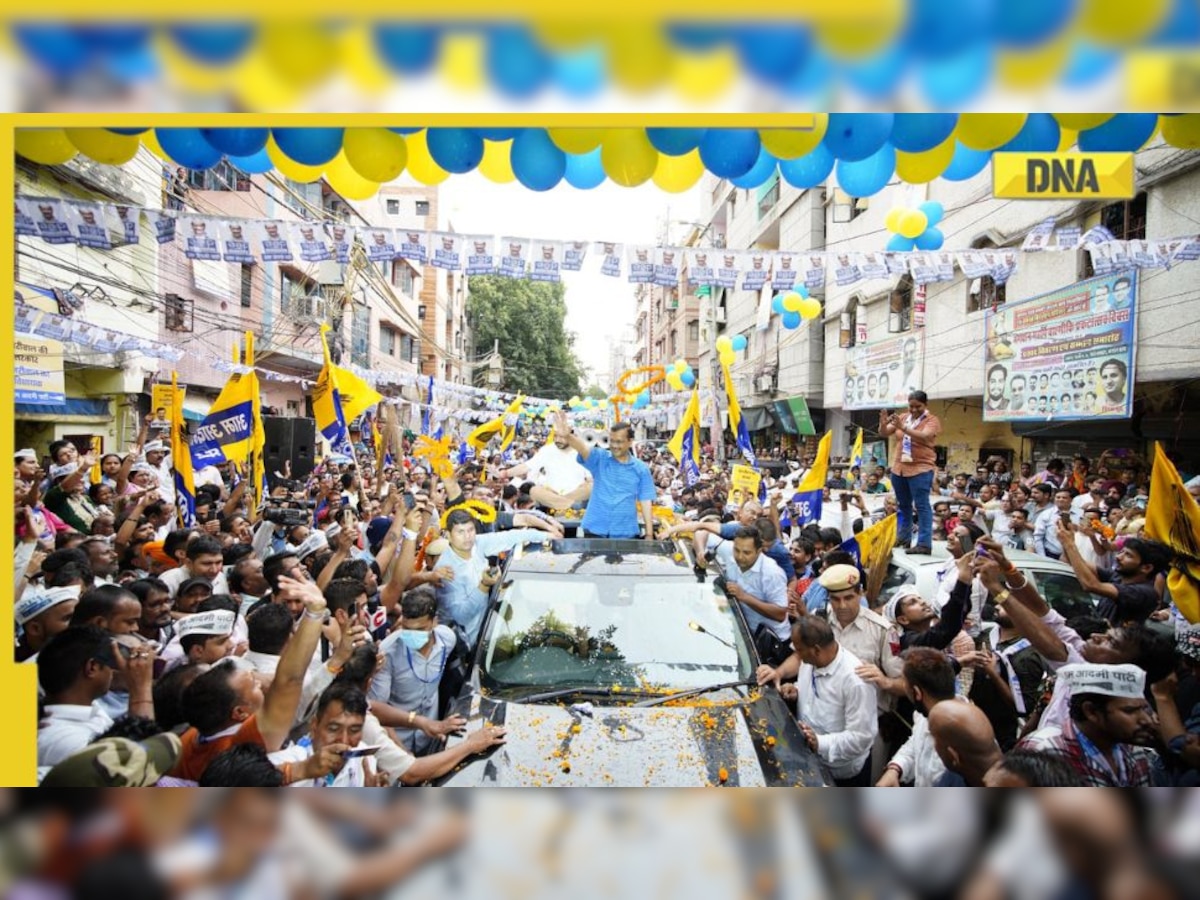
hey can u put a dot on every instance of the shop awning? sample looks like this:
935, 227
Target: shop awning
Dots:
757, 418
195, 409
75, 406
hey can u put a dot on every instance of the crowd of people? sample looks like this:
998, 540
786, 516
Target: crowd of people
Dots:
317, 640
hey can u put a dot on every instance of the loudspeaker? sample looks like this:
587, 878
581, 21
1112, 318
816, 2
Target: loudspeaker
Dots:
289, 439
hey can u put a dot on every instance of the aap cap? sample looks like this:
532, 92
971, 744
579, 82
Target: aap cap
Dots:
893, 605
311, 544
840, 578
57, 472
25, 454
1125, 680
117, 762
216, 621
33, 603
155, 447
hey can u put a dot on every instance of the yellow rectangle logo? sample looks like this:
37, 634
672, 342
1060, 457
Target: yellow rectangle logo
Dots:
1045, 176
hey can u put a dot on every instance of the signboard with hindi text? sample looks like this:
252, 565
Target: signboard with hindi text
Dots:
1068, 354
744, 483
880, 375
162, 406
39, 370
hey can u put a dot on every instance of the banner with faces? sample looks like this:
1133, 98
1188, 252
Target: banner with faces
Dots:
481, 254
446, 250
547, 261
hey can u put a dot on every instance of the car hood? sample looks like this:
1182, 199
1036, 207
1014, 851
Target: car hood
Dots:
753, 744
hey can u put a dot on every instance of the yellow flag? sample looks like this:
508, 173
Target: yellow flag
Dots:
504, 425
1173, 517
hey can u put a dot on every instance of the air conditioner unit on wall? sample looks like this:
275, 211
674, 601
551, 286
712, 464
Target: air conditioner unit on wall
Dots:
308, 307
720, 316
764, 384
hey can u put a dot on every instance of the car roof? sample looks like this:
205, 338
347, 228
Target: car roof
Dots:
603, 556
1022, 559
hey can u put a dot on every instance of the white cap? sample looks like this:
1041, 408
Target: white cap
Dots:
1125, 680
315, 541
891, 607
57, 472
33, 603
216, 621
25, 454
155, 447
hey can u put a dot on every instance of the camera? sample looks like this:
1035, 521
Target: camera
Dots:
286, 515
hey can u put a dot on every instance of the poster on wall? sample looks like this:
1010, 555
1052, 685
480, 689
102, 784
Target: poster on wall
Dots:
880, 375
1068, 354
38, 370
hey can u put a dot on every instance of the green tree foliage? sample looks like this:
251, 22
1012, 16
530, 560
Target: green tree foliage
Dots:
527, 318
595, 392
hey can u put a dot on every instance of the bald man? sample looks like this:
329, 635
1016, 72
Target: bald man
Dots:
963, 738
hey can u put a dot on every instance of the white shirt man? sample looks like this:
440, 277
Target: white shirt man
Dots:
837, 706
67, 728
917, 758
559, 470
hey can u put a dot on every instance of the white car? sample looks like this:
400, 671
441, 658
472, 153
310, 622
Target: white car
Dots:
1054, 580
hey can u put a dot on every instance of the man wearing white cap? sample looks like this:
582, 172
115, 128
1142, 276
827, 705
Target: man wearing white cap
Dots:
41, 615
157, 456
1109, 721
206, 637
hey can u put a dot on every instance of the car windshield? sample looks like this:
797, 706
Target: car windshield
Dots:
614, 631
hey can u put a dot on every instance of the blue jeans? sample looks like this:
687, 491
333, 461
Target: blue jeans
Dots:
913, 491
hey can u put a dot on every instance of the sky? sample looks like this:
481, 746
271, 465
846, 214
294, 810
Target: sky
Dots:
598, 307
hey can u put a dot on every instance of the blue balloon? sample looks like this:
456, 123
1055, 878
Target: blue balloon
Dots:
1182, 26
869, 176
739, 342
536, 161
56, 47
580, 73
214, 43
939, 28
918, 132
133, 65
688, 378
933, 212
898, 243
791, 320
1027, 23
773, 51
496, 134
809, 170
697, 37
236, 141
408, 130
675, 141
129, 130
456, 150
585, 170
1124, 132
258, 164
762, 170
855, 136
1088, 64
518, 64
730, 152
952, 81
188, 147
115, 38
411, 49
802, 290
642, 400
878, 75
777, 306
1039, 134
814, 77
930, 239
309, 146
966, 163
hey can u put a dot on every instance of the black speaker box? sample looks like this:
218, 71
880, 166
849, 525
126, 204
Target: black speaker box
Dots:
289, 439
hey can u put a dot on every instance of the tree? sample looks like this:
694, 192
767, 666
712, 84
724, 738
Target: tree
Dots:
596, 392
527, 318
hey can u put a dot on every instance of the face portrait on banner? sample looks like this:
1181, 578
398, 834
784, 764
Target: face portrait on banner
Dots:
784, 271
547, 260
310, 238
447, 250
700, 266
610, 258
515, 252
573, 255
641, 264
666, 266
87, 221
379, 244
200, 239
49, 219
413, 245
235, 244
272, 241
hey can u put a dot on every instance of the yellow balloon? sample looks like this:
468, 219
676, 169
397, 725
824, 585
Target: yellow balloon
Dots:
895, 214
1178, 131
1082, 121
639, 57
376, 154
420, 164
728, 358
923, 167
259, 87
703, 76
1117, 23
285, 165
810, 308
987, 131
567, 34
792, 143
104, 146
1066, 139
48, 146
576, 140
302, 54
362, 63
913, 223
628, 157
1033, 68
875, 25
724, 342
346, 181
792, 301
187, 73
461, 62
150, 142
676, 174
496, 165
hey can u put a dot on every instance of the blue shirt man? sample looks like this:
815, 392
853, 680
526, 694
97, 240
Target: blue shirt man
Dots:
621, 484
756, 582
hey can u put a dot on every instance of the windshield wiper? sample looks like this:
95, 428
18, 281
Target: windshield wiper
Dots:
691, 692
595, 689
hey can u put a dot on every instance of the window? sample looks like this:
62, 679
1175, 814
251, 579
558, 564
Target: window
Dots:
360, 335
221, 177
402, 277
693, 333
422, 207
768, 195
848, 326
900, 306
247, 285
387, 341
674, 344
983, 292
178, 313
1126, 220
393, 207
407, 348
421, 312
292, 284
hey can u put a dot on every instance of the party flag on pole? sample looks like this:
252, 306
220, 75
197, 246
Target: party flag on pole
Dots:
810, 490
856, 452
685, 445
258, 438
736, 423
504, 425
227, 433
1173, 517
181, 462
340, 396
